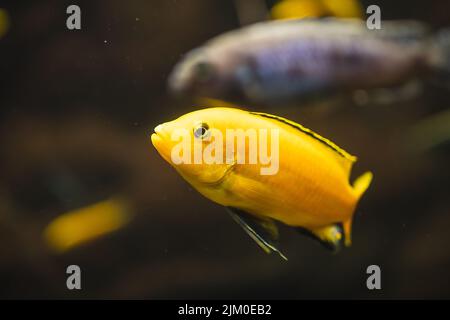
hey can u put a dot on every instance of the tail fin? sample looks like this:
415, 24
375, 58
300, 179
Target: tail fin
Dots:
359, 187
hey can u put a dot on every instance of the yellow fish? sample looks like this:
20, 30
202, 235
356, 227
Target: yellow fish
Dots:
295, 9
83, 225
309, 189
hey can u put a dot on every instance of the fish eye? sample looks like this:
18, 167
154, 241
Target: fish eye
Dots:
203, 71
201, 131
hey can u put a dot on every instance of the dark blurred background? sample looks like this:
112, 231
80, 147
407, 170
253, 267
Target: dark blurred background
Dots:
76, 109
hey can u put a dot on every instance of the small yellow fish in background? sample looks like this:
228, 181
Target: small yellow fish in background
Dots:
310, 191
294, 9
4, 22
80, 226
344, 8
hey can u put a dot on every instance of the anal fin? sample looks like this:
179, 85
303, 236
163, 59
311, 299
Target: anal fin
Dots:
331, 237
263, 231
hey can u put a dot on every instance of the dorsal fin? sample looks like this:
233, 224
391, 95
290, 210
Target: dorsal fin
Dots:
310, 133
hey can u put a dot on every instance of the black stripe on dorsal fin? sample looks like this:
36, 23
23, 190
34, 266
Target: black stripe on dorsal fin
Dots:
310, 133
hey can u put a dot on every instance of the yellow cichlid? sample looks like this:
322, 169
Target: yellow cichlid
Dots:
295, 9
310, 189
74, 228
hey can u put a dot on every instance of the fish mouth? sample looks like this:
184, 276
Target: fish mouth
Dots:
179, 79
158, 139
157, 136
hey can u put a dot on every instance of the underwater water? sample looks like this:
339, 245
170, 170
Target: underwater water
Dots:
81, 183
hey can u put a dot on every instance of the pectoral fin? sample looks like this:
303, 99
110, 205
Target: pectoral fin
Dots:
263, 231
331, 237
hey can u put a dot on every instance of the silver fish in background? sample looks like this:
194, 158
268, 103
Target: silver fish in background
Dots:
285, 61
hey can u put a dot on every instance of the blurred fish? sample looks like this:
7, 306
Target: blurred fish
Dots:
310, 191
292, 9
282, 62
344, 8
80, 226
